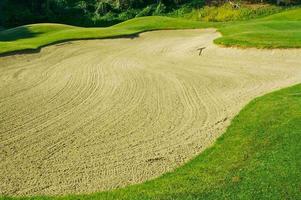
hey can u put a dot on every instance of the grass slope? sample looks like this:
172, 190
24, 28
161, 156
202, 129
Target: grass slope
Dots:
259, 157
282, 30
279, 30
39, 35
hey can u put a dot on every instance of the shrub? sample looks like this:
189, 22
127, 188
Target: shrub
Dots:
101, 8
160, 9
129, 14
148, 10
227, 13
181, 12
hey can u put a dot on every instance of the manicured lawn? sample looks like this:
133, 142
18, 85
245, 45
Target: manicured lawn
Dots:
262, 34
281, 30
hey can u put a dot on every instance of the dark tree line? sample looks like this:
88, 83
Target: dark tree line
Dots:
93, 12
77, 12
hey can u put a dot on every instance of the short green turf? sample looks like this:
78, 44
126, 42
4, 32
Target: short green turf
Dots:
282, 30
259, 157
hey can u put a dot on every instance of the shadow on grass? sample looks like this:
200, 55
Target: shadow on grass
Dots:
16, 34
20, 52
61, 43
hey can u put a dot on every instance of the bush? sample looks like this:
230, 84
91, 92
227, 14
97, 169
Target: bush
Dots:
92, 12
102, 8
129, 14
181, 12
148, 10
160, 9
108, 16
107, 20
227, 13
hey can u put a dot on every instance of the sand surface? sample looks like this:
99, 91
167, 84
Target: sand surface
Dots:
88, 116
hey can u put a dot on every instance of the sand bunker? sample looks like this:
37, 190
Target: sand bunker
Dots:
95, 115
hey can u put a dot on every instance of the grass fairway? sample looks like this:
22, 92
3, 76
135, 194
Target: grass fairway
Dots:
257, 158
282, 30
279, 30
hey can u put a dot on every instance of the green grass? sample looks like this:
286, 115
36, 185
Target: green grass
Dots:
259, 157
227, 13
38, 35
281, 30
292, 15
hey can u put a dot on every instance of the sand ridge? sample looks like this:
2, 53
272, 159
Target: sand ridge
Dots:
94, 115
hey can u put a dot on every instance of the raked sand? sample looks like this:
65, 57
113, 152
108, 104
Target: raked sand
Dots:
94, 115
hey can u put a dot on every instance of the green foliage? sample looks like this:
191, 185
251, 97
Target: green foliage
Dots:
160, 9
129, 14
94, 12
86, 12
147, 11
227, 13
183, 11
279, 2
108, 19
102, 8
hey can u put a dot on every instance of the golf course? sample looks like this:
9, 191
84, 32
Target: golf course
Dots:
154, 107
